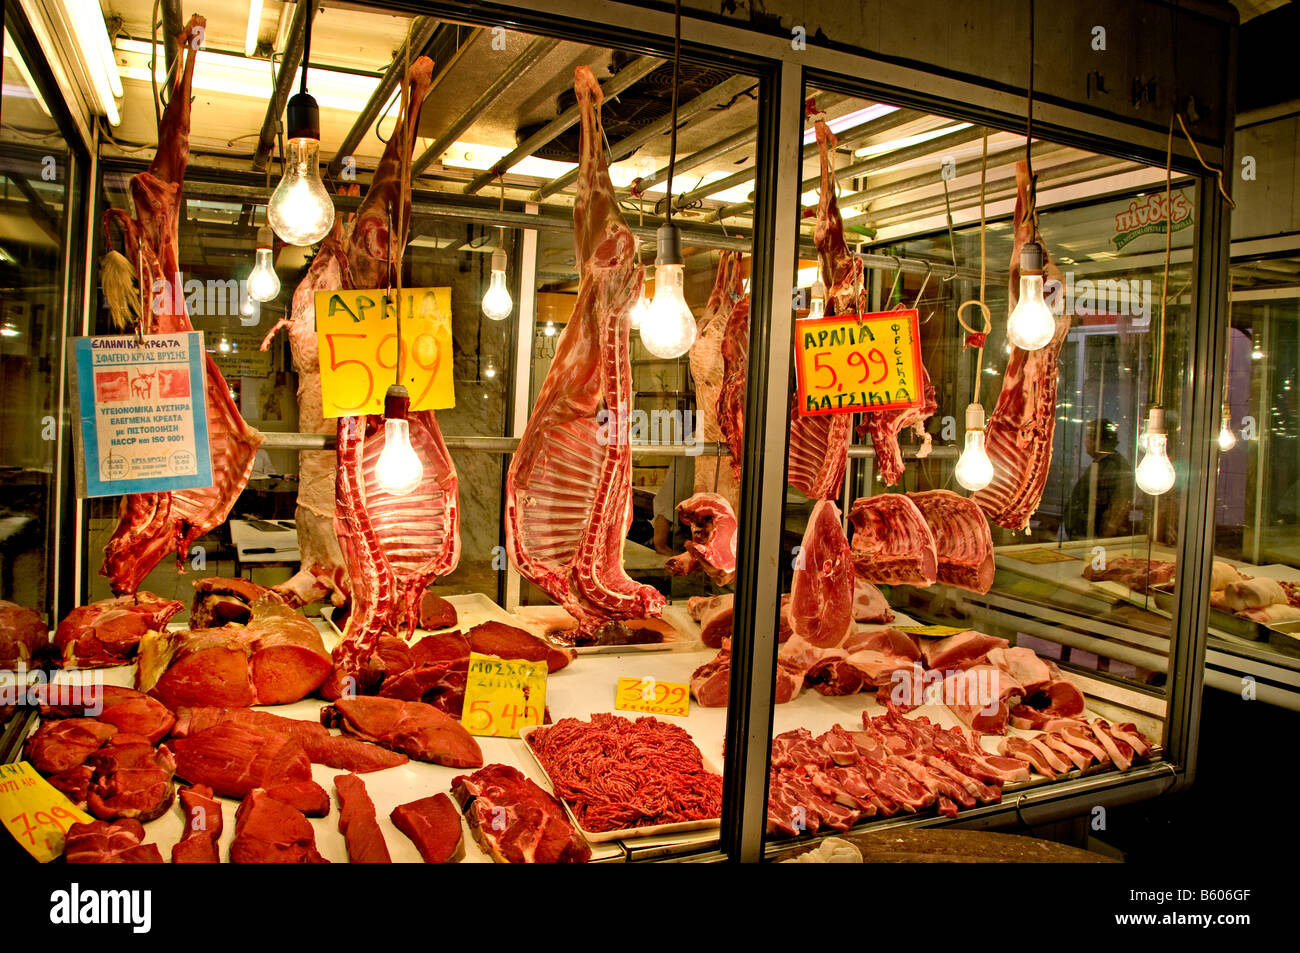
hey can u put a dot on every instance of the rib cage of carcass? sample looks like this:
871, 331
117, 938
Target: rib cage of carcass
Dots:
569, 487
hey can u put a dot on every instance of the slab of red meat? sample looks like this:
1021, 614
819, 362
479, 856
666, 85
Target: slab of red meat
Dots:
233, 759
731, 396
24, 636
892, 542
98, 842
697, 607
711, 682
869, 603
821, 595
1057, 699
355, 255
863, 660
961, 650
1138, 574
124, 708
276, 659
433, 825
306, 796
61, 745
507, 641
131, 779
515, 821
317, 743
569, 487
708, 370
1020, 429
962, 541
203, 823
716, 623
221, 600
1024, 666
440, 684
976, 696
358, 824
712, 546
268, 831
436, 612
413, 728
155, 524
108, 632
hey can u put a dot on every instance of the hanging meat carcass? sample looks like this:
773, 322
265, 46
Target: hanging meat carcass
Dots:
152, 525
708, 368
731, 396
1020, 429
712, 546
569, 487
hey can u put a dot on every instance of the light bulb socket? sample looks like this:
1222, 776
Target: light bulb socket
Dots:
974, 416
1156, 421
1031, 258
669, 241
818, 289
499, 260
265, 237
397, 402
302, 118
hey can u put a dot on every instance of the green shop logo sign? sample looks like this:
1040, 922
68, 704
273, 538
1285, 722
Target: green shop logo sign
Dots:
1151, 217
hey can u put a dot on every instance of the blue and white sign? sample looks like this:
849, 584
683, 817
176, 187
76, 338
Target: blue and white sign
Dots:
143, 407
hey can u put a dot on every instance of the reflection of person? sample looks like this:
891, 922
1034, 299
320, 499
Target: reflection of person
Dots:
1102, 499
677, 486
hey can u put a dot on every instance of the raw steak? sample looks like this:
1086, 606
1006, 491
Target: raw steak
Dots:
716, 624
220, 600
24, 637
1138, 574
821, 596
121, 842
317, 743
708, 369
697, 607
1057, 699
131, 779
731, 397
357, 822
961, 650
962, 541
58, 746
433, 825
306, 796
864, 660
233, 759
124, 708
1024, 666
1020, 429
869, 603
268, 831
436, 612
712, 546
203, 823
892, 542
278, 658
507, 641
569, 487
154, 524
108, 632
356, 254
711, 682
413, 728
975, 696
514, 820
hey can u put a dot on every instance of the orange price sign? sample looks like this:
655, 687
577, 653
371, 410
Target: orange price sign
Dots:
503, 695
653, 696
35, 812
357, 335
852, 363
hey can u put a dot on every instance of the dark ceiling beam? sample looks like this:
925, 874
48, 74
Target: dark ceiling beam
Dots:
171, 27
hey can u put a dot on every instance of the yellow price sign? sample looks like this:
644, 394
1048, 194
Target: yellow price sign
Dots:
934, 631
503, 695
1040, 557
35, 812
357, 335
851, 363
653, 696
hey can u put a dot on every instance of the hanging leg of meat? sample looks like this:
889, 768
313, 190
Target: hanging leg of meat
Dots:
569, 487
708, 370
712, 546
1021, 427
731, 396
821, 595
154, 524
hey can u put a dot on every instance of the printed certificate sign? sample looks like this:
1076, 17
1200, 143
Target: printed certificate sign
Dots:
143, 409
357, 334
852, 363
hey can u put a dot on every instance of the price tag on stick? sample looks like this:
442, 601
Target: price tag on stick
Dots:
35, 812
653, 696
503, 695
852, 363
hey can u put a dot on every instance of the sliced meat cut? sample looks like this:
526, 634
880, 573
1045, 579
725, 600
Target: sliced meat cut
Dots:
58, 746
433, 825
131, 779
203, 825
821, 595
962, 541
413, 728
24, 636
507, 641
869, 603
975, 696
108, 632
698, 606
278, 658
712, 546
892, 542
268, 831
358, 824
711, 682
569, 486
233, 759
98, 842
221, 600
961, 650
436, 612
716, 623
306, 796
708, 370
1024, 666
514, 820
125, 709
1056, 699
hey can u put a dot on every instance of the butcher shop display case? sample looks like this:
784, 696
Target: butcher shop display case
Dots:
613, 442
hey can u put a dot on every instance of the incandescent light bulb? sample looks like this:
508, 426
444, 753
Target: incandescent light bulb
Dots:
1031, 324
300, 209
636, 317
1155, 474
496, 300
817, 306
398, 470
1227, 439
974, 468
669, 327
263, 282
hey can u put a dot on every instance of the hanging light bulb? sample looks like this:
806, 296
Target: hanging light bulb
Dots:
1031, 325
974, 468
1227, 439
263, 282
1256, 352
496, 301
636, 317
549, 330
1155, 474
223, 345
669, 327
817, 305
300, 209
250, 307
490, 368
398, 470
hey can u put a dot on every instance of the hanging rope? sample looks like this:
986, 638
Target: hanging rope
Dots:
672, 145
976, 339
1030, 212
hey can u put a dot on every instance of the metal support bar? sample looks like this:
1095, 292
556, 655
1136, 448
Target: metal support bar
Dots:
522, 367
425, 27
521, 64
634, 71
707, 154
327, 441
283, 83
630, 144
172, 24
